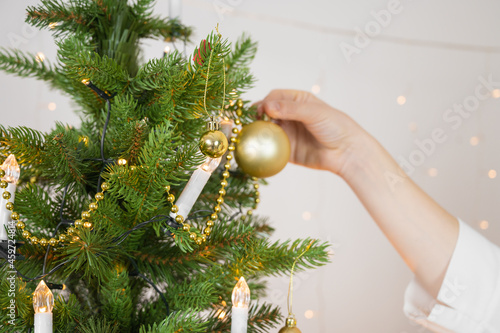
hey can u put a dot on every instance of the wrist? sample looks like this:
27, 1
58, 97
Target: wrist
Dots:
366, 159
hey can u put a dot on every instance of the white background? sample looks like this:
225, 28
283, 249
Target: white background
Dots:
432, 52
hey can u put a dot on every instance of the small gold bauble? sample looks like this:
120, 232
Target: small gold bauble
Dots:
9, 205
290, 325
263, 149
99, 196
199, 240
52, 242
6, 195
2, 173
174, 209
192, 236
105, 186
71, 230
171, 198
87, 225
93, 206
75, 239
85, 215
34, 240
186, 227
14, 216
213, 216
207, 231
78, 223
179, 219
213, 144
43, 242
3, 184
26, 234
122, 161
20, 225
62, 237
210, 223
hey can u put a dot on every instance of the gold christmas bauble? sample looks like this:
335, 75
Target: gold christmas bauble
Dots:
262, 149
213, 144
287, 329
290, 325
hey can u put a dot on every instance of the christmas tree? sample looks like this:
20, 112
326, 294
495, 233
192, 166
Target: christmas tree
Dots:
96, 214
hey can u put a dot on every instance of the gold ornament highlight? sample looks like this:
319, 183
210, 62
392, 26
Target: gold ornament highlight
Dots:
262, 149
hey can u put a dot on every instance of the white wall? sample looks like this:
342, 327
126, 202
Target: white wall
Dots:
432, 52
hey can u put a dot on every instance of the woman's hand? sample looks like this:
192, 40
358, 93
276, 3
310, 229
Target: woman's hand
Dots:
321, 137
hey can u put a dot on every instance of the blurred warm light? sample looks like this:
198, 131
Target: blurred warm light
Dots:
474, 141
401, 100
167, 49
495, 93
306, 216
433, 172
309, 314
413, 126
221, 314
51, 106
492, 174
315, 89
40, 57
53, 25
484, 224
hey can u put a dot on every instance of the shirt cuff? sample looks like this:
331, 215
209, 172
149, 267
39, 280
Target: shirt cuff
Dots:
469, 298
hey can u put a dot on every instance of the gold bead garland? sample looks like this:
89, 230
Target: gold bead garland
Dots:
71, 232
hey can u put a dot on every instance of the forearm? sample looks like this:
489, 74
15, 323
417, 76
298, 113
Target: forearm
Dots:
422, 232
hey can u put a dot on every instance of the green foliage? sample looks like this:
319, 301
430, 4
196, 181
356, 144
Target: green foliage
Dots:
98, 325
67, 314
158, 111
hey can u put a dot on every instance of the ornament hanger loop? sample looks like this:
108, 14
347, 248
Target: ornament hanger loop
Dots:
289, 299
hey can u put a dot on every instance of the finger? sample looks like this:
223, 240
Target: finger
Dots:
289, 94
306, 113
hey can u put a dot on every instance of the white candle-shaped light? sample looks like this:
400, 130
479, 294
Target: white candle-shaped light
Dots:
194, 186
174, 9
239, 313
43, 302
12, 173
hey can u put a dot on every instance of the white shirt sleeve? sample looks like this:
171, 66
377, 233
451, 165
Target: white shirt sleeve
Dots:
469, 298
